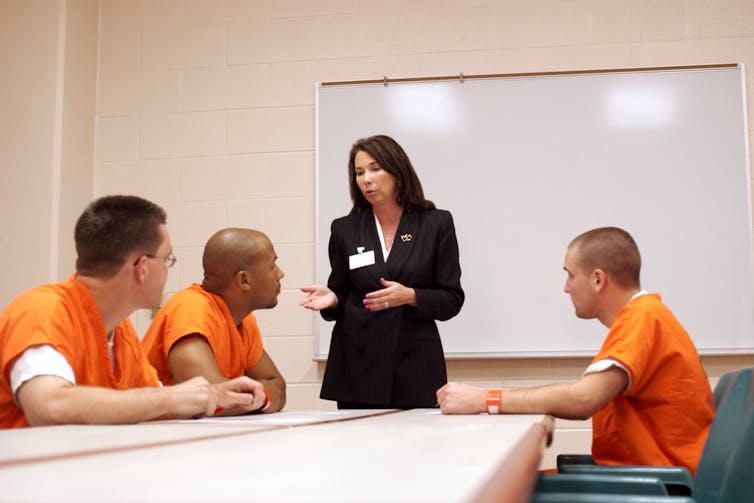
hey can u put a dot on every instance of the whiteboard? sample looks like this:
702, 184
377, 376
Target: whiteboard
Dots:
525, 163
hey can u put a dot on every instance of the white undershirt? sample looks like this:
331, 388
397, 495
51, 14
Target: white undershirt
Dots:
37, 361
606, 363
385, 251
45, 360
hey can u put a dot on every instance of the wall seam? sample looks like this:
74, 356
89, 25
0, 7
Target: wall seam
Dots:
57, 147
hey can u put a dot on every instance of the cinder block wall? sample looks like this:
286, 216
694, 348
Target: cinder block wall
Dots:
208, 108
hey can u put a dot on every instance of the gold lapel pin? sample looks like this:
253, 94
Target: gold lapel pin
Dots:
406, 237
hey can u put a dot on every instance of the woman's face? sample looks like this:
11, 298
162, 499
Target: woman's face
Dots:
377, 185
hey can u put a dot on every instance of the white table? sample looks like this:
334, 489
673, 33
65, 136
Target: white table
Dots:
316, 456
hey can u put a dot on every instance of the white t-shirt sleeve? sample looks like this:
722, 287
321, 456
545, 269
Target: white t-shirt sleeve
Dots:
605, 364
37, 361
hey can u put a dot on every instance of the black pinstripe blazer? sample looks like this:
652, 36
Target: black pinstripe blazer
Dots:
392, 357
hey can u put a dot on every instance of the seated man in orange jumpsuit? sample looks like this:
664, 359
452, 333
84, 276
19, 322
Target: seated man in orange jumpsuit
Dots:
209, 330
646, 390
69, 354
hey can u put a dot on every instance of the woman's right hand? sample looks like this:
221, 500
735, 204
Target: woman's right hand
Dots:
318, 297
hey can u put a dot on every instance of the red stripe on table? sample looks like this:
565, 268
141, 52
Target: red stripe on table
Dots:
178, 441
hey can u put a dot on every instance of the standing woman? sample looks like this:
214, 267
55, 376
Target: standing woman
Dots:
395, 270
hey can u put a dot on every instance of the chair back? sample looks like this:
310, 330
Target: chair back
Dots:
723, 385
724, 473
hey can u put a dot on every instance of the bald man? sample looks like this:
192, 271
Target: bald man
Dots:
209, 330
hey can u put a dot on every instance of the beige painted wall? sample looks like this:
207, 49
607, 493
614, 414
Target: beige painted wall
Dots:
207, 107
48, 61
27, 128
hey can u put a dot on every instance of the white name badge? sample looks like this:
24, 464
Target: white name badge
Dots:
361, 260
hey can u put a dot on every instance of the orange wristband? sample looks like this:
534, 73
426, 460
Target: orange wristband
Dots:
494, 397
267, 402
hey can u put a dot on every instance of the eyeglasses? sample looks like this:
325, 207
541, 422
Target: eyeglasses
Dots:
169, 261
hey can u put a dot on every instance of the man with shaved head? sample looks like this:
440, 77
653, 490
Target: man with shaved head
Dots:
209, 330
646, 390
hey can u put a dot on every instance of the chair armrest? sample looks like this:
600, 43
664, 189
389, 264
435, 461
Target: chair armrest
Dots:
605, 498
610, 484
677, 479
574, 459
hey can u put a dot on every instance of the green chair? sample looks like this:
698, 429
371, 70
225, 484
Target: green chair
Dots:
725, 472
586, 483
564, 461
676, 479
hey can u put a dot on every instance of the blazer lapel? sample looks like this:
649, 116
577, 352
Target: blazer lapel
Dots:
403, 244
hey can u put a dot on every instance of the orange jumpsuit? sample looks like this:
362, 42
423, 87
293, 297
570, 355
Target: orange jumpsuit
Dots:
65, 316
196, 311
664, 416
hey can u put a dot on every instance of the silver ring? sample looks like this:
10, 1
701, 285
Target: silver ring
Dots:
386, 305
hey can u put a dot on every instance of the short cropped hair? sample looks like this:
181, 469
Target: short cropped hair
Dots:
611, 249
111, 228
393, 159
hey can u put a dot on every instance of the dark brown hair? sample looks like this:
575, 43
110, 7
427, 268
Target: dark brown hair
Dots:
111, 228
611, 249
392, 158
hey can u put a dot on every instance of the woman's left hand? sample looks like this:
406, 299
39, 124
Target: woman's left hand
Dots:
393, 295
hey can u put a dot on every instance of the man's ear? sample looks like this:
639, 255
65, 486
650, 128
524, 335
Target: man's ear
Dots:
140, 269
243, 280
599, 280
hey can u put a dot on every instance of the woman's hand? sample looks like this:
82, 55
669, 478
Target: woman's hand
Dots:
318, 298
393, 295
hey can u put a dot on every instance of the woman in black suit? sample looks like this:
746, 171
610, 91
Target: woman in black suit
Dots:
395, 270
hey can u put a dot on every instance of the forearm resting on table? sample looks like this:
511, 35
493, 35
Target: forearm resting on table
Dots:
267, 374
49, 400
579, 400
557, 400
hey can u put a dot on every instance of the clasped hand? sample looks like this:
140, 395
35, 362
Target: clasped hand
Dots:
198, 398
393, 295
241, 393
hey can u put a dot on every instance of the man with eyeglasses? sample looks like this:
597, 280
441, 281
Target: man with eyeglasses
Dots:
209, 330
69, 354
